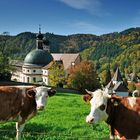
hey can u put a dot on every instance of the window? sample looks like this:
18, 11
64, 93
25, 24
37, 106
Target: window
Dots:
34, 79
28, 79
27, 70
34, 70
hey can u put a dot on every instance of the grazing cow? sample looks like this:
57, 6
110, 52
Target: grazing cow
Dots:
21, 104
121, 113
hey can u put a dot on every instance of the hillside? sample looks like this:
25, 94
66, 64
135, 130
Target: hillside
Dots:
121, 48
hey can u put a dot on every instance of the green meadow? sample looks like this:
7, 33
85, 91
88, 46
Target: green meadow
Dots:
63, 119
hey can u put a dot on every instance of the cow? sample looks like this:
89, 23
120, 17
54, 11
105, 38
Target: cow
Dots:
22, 103
122, 114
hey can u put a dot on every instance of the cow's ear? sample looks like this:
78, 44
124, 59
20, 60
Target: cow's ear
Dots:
31, 93
51, 92
87, 97
88, 92
116, 100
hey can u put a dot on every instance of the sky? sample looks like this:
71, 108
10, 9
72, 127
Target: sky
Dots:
66, 17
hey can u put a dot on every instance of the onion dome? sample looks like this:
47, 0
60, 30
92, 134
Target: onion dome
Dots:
38, 57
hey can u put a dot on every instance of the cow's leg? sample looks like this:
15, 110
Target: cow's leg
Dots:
19, 128
112, 137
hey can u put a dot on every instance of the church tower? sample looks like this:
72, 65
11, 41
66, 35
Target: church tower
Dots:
39, 40
46, 44
42, 42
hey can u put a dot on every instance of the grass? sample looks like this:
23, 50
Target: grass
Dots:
63, 119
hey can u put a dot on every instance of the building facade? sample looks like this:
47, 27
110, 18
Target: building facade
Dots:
35, 67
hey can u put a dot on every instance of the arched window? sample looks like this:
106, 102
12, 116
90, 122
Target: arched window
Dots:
28, 79
34, 79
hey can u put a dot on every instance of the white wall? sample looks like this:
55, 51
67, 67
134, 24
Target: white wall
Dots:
30, 78
45, 76
45, 72
32, 71
45, 80
17, 76
31, 75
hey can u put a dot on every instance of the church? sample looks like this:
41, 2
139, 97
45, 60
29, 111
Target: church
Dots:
35, 67
117, 85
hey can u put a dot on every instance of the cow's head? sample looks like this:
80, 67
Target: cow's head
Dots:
98, 101
41, 95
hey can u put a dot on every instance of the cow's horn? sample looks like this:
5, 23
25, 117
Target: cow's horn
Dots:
89, 92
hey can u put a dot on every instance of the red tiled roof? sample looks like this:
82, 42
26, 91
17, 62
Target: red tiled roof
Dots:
67, 58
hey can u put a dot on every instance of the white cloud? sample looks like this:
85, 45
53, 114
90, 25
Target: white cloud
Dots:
77, 4
92, 6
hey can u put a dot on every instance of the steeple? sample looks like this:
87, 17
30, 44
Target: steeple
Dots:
117, 76
39, 28
39, 39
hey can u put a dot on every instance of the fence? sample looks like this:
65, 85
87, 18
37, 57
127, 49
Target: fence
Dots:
13, 83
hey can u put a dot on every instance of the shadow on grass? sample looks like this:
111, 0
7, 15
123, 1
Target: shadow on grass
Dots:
34, 131
8, 132
67, 94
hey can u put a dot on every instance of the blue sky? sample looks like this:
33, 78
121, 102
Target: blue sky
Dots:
65, 17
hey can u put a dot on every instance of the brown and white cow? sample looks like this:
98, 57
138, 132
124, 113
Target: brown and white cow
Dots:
21, 104
121, 113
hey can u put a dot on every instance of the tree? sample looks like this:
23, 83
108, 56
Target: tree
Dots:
105, 77
3, 44
4, 58
131, 87
56, 74
83, 76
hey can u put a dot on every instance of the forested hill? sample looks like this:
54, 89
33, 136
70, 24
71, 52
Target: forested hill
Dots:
25, 42
121, 48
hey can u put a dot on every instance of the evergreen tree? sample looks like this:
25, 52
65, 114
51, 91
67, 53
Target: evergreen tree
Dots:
5, 67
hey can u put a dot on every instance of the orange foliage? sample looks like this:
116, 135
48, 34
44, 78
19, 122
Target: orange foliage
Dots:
83, 76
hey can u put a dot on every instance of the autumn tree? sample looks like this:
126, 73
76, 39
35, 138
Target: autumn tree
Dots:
131, 87
83, 76
56, 74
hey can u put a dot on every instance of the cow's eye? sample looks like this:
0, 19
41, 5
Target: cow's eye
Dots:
102, 107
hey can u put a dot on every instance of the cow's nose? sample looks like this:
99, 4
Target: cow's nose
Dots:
89, 119
40, 107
